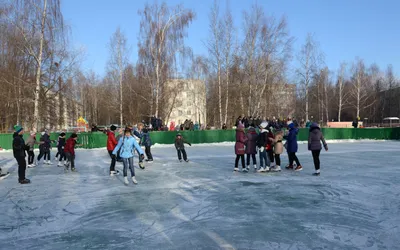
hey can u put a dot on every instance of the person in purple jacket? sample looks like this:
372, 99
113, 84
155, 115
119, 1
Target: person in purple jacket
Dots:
251, 147
241, 140
314, 145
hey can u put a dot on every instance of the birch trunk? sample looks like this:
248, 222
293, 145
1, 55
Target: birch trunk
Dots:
39, 70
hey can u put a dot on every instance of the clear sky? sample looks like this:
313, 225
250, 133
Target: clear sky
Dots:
345, 29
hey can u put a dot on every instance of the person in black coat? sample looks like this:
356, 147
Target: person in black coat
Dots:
60, 148
19, 153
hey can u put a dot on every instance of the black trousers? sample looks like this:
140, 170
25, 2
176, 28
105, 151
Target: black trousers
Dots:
148, 153
253, 156
46, 155
292, 158
113, 161
71, 160
315, 155
278, 159
237, 161
21, 167
62, 155
31, 157
182, 152
270, 155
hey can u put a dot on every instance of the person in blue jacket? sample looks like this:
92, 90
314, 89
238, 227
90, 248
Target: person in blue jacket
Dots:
292, 147
146, 142
128, 144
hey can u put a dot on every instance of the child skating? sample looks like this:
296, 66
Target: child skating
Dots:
251, 147
111, 144
278, 150
315, 137
69, 151
44, 148
292, 147
30, 147
262, 142
241, 141
128, 144
180, 147
60, 150
146, 142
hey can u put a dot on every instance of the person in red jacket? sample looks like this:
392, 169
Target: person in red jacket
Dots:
69, 151
111, 144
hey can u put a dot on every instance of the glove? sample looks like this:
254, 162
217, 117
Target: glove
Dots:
190, 144
113, 156
142, 157
261, 149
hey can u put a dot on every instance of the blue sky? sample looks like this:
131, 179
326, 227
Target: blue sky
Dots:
345, 29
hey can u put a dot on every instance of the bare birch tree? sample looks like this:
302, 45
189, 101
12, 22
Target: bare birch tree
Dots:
117, 63
308, 64
342, 94
360, 87
162, 32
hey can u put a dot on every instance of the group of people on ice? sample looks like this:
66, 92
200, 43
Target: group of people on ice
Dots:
122, 147
66, 151
268, 143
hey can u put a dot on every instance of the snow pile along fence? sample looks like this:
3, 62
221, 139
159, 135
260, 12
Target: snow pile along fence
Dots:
98, 140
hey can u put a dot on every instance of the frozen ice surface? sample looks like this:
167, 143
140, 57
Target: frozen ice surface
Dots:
203, 204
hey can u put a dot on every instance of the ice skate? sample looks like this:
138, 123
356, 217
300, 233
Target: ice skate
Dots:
261, 170
180, 160
134, 180
267, 169
290, 167
277, 168
24, 181
113, 173
141, 165
317, 173
149, 160
60, 164
245, 170
186, 160
255, 167
298, 168
73, 169
236, 169
126, 182
3, 176
49, 162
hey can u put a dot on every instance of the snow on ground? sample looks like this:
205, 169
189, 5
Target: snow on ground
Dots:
354, 204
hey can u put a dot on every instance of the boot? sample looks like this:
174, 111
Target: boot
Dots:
126, 182
277, 168
134, 180
298, 168
24, 181
290, 167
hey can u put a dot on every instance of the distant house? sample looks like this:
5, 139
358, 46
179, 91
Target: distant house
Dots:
187, 101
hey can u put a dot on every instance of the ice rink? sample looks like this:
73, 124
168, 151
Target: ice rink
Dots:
354, 204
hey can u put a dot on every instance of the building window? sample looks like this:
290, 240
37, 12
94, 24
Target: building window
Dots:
180, 112
188, 112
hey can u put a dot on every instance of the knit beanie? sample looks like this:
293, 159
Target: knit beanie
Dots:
74, 135
113, 128
18, 128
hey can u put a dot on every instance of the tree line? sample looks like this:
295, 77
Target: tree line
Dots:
42, 80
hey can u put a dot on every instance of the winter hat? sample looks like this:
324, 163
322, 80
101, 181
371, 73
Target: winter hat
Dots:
289, 122
291, 125
62, 134
178, 134
240, 125
113, 128
74, 135
264, 124
18, 128
127, 129
43, 133
145, 130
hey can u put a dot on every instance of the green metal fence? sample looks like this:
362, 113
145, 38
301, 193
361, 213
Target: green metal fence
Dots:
99, 140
